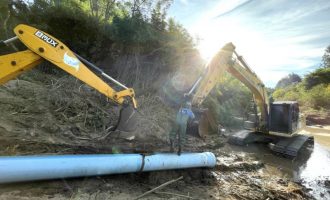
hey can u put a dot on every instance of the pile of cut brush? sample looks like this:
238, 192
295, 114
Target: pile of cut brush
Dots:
61, 110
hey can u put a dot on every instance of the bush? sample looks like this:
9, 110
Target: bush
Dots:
317, 97
319, 76
314, 90
149, 45
228, 100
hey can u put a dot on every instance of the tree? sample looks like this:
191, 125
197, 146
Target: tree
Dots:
94, 5
326, 58
111, 33
158, 14
288, 80
107, 12
320, 75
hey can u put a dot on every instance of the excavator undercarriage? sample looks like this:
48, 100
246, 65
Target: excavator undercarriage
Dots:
285, 146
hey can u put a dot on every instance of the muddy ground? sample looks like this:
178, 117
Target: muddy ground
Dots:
236, 176
62, 116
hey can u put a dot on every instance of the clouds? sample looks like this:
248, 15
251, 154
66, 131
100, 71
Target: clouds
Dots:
184, 2
275, 36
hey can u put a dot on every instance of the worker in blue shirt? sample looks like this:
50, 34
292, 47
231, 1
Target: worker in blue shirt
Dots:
180, 127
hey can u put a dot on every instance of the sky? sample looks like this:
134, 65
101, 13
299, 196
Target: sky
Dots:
275, 37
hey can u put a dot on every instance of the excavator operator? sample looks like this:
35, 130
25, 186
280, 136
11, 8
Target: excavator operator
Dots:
180, 126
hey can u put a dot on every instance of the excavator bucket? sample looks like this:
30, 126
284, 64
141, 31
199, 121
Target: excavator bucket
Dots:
127, 119
203, 123
203, 127
207, 123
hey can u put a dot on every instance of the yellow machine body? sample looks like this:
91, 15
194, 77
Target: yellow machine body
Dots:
12, 65
225, 61
41, 46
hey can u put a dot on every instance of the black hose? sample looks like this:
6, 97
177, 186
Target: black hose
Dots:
2, 43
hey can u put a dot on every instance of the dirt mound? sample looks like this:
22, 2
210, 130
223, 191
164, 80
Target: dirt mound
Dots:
314, 119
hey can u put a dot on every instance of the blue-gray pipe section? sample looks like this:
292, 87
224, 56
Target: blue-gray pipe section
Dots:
29, 168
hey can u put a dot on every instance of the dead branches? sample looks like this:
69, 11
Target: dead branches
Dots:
159, 187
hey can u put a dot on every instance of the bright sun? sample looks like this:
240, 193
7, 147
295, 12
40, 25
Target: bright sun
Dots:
249, 43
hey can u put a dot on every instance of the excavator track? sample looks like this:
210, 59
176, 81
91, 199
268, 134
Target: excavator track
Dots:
287, 147
290, 147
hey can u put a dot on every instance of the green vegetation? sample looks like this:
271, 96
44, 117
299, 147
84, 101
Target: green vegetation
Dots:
134, 41
313, 92
138, 35
319, 76
317, 97
111, 33
229, 101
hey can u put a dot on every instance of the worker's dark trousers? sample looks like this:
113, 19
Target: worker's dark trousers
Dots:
179, 130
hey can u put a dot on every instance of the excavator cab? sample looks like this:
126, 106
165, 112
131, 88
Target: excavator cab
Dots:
284, 117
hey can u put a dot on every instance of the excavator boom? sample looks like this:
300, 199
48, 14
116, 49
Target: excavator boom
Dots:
227, 60
42, 46
14, 64
277, 123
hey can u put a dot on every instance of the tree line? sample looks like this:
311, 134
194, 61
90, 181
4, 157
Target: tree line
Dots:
311, 91
111, 33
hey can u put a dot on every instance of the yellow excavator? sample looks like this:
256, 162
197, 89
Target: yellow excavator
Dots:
42, 46
276, 123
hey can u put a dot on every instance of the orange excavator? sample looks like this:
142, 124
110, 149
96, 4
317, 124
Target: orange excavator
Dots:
276, 123
42, 46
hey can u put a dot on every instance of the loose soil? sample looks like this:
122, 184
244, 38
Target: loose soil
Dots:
63, 116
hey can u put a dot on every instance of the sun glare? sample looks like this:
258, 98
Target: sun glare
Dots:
212, 38
250, 44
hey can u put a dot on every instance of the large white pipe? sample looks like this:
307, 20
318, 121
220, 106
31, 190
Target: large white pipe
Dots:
29, 168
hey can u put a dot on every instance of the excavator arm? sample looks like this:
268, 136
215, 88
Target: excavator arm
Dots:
42, 46
227, 60
278, 123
